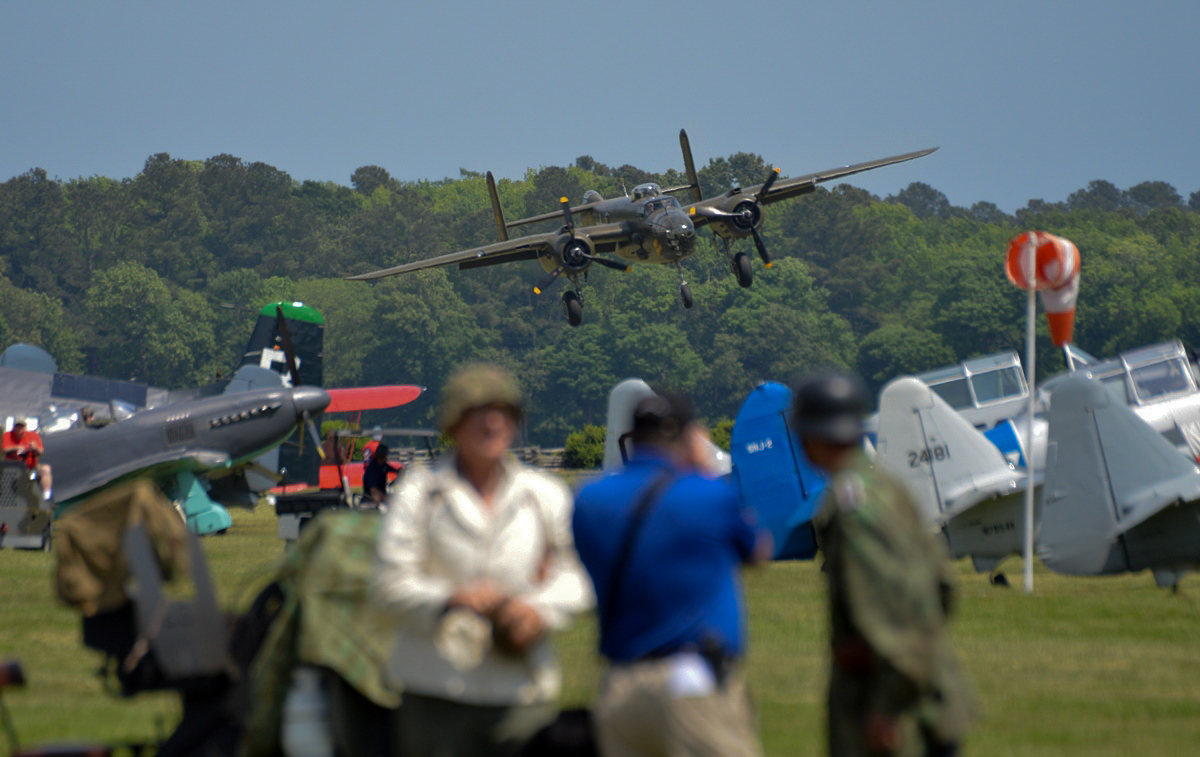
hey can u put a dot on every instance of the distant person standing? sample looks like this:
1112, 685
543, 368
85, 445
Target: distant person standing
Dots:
664, 543
895, 687
376, 474
475, 559
369, 448
26, 446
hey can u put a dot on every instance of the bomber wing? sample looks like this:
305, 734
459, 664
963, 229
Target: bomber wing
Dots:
521, 248
555, 215
784, 189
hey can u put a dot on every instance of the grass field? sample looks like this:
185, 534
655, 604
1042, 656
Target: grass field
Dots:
1084, 666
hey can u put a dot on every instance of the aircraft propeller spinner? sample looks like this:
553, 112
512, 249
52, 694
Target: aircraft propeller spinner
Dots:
575, 252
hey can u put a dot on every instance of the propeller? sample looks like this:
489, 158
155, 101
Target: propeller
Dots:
289, 353
566, 208
553, 278
574, 253
758, 198
745, 215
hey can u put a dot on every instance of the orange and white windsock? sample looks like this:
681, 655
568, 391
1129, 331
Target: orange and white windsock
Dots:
1055, 277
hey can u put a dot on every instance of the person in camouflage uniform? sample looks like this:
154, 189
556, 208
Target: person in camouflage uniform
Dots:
895, 685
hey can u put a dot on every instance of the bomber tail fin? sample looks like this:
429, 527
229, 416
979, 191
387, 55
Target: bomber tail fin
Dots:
689, 167
1107, 471
501, 227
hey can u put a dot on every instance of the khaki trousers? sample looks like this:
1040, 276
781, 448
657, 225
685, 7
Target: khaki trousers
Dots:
641, 714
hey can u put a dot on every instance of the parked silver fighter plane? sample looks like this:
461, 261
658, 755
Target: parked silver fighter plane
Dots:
649, 226
1114, 494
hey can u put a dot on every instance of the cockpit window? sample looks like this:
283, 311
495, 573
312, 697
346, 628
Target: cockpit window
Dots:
1158, 379
1116, 388
646, 190
657, 205
997, 385
956, 393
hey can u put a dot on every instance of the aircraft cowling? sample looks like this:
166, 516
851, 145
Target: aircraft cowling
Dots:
742, 214
573, 254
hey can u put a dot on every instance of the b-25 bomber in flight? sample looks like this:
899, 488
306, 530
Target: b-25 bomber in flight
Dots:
649, 225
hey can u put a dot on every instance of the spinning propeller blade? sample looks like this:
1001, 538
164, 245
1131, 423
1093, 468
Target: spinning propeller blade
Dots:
608, 263
766, 187
566, 208
553, 278
762, 249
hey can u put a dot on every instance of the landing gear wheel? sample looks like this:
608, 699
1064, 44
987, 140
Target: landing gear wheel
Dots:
573, 307
998, 579
685, 293
743, 270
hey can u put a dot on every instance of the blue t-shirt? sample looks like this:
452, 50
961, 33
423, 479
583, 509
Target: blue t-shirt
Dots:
681, 584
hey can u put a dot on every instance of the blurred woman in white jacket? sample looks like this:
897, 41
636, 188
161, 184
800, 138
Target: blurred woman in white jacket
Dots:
477, 562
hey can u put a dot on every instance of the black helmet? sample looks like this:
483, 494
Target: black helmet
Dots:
661, 418
830, 407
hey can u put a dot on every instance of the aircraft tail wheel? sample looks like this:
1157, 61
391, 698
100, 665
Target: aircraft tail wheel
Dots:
685, 293
573, 307
742, 269
999, 579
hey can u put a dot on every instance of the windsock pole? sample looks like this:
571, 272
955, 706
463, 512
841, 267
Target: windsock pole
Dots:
1030, 358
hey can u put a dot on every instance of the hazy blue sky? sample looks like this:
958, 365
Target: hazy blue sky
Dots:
1026, 99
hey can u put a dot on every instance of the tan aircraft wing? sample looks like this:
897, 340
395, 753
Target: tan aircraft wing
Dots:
521, 248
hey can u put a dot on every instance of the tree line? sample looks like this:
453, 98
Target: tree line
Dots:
151, 278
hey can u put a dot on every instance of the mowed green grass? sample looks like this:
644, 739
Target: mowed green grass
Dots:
1084, 666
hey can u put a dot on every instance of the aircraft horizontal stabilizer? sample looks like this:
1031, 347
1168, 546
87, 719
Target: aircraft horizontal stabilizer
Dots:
947, 462
1108, 472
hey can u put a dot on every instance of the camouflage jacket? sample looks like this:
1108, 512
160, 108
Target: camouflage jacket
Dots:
327, 620
890, 595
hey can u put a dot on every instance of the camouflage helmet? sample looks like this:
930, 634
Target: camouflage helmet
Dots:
830, 407
476, 385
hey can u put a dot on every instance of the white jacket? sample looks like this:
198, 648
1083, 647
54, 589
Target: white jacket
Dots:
438, 536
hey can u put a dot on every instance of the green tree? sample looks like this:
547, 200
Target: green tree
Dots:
584, 449
899, 349
35, 318
145, 332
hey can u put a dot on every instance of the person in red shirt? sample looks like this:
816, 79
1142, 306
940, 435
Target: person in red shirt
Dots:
369, 450
22, 444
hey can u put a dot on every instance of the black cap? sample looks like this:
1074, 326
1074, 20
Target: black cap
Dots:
661, 417
830, 407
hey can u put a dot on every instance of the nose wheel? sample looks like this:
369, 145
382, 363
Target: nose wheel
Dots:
573, 307
685, 291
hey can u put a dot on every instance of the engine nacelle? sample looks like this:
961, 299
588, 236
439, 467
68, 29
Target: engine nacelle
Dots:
744, 215
574, 254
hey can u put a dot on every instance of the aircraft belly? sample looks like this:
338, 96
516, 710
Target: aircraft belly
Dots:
1170, 538
635, 254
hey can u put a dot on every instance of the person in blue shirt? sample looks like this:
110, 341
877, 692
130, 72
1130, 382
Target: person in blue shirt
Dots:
663, 542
